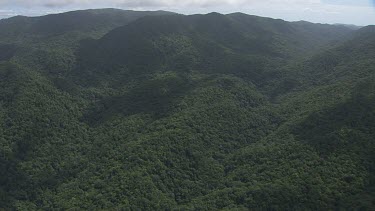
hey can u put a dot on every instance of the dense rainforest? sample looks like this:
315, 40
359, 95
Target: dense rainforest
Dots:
123, 110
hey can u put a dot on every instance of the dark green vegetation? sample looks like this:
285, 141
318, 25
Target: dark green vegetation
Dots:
185, 112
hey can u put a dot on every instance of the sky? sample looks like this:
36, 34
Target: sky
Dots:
358, 12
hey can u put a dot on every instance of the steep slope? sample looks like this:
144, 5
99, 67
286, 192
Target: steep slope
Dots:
332, 110
238, 44
194, 112
23, 29
48, 43
304, 37
37, 121
347, 61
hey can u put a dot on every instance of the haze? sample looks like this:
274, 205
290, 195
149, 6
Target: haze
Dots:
358, 12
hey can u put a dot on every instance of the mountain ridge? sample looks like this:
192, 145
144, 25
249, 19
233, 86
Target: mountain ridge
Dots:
176, 112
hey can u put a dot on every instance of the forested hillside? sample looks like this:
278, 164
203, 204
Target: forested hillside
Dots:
160, 111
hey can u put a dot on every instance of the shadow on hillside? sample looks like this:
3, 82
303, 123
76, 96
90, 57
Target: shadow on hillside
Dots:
13, 182
345, 125
155, 97
7, 51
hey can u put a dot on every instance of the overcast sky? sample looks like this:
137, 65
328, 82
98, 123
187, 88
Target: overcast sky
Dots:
359, 12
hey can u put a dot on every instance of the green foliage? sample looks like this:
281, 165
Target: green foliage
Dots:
202, 112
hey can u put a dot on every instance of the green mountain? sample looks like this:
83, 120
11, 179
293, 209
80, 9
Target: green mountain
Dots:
50, 41
215, 43
20, 28
199, 112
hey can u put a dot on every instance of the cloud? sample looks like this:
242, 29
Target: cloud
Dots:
143, 3
349, 2
7, 13
324, 11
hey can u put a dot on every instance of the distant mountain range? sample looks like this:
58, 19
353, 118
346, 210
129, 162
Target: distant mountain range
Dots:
125, 110
351, 26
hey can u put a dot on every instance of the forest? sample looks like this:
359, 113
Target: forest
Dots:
113, 109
